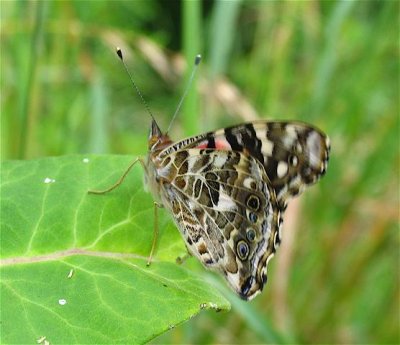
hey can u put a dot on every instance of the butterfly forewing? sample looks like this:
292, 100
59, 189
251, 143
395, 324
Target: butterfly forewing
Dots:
293, 154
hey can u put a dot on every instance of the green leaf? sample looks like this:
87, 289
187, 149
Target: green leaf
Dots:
73, 264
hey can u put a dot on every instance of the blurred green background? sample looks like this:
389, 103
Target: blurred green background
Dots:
331, 63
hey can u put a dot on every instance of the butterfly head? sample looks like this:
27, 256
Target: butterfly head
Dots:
157, 140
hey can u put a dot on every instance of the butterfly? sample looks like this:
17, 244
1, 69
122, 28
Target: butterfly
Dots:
227, 190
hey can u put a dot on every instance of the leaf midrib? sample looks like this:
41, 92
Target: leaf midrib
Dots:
67, 253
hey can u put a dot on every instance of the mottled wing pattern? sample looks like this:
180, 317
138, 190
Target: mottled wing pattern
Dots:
227, 191
227, 213
293, 154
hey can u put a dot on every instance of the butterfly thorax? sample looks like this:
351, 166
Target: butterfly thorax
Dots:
157, 171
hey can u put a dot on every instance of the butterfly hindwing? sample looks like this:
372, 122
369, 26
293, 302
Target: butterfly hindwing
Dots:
227, 213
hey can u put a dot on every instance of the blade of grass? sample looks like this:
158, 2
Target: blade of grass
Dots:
27, 122
220, 37
251, 316
328, 60
223, 23
98, 139
192, 45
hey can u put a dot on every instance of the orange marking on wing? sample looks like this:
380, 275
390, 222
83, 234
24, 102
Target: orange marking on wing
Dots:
202, 146
219, 145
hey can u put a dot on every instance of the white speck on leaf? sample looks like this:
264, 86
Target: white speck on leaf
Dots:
85, 160
40, 340
49, 180
71, 273
62, 301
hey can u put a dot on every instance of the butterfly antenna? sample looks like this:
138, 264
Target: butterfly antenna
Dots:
119, 53
196, 64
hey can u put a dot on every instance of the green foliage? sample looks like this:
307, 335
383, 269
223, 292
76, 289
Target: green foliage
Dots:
332, 63
60, 243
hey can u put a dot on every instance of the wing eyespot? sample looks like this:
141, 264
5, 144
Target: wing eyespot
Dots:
251, 234
253, 202
253, 217
242, 249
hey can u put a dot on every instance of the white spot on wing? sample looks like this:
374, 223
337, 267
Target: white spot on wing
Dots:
225, 203
239, 139
164, 171
314, 149
247, 182
282, 169
219, 161
327, 142
191, 161
290, 137
268, 259
267, 147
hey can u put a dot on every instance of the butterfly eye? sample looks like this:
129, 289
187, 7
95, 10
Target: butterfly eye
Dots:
253, 202
242, 249
253, 217
251, 234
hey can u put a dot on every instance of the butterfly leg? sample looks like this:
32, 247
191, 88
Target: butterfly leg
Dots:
182, 259
155, 234
121, 179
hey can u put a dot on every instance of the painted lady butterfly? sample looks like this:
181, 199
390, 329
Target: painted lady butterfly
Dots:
227, 191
